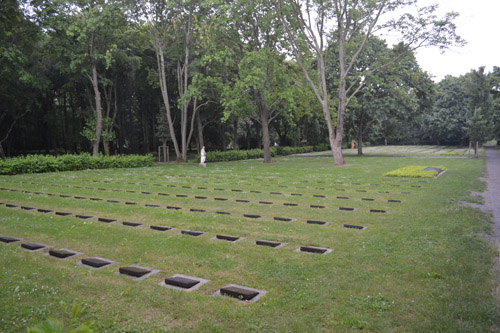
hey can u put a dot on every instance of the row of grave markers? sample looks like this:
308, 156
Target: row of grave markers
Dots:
203, 197
138, 273
195, 233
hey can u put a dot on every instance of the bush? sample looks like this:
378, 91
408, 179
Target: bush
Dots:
235, 155
47, 163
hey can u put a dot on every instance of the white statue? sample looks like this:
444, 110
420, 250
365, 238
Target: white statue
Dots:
203, 157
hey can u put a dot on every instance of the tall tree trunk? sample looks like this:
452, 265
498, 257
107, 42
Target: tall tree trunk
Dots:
264, 117
360, 136
201, 143
98, 110
235, 133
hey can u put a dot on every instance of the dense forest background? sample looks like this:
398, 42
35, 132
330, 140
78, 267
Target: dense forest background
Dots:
139, 74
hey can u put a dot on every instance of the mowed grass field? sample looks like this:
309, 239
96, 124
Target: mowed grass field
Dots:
426, 264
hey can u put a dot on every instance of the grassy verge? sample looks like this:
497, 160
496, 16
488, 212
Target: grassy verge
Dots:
419, 267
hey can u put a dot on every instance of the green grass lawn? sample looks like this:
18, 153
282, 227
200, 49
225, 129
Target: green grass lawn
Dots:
424, 265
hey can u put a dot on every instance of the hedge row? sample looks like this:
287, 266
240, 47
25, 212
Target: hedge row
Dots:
47, 163
234, 155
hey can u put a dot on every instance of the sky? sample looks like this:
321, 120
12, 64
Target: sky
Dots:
478, 24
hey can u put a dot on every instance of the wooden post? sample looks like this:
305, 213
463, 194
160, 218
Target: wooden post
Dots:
159, 154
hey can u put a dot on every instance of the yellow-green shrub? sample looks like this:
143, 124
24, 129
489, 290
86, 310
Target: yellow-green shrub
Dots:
415, 171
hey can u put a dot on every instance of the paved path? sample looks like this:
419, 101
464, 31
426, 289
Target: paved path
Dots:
492, 194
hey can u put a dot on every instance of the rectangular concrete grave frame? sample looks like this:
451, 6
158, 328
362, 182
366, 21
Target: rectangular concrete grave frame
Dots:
273, 244
42, 210
313, 250
33, 246
316, 222
352, 226
62, 254
183, 282
84, 217
63, 213
252, 216
106, 219
200, 197
136, 272
131, 224
377, 211
192, 233
241, 293
228, 238
8, 239
160, 227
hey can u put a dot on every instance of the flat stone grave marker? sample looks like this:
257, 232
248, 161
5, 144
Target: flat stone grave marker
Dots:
338, 183
340, 189
266, 202
319, 196
113, 201
219, 189
157, 185
367, 199
202, 188
223, 213
234, 190
160, 227
374, 184
174, 207
384, 192
27, 208
41, 210
241, 293
284, 186
220, 199
136, 272
186, 187
130, 203
395, 185
277, 193
102, 189
8, 240
255, 191
181, 195
62, 253
63, 213
356, 184
241, 200
192, 233
284, 219
347, 208
296, 194
144, 192
290, 204
11, 205
131, 224
171, 186
51, 195
117, 190
227, 238
417, 186
106, 219
35, 192
314, 249
393, 200
316, 222
352, 226
33, 246
269, 243
64, 196
252, 216
183, 282
377, 211
152, 206
317, 206
342, 197
95, 199
197, 210
80, 198
164, 194
200, 197
360, 190
130, 191
84, 217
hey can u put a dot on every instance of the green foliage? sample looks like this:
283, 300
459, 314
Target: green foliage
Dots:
415, 171
235, 155
47, 163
